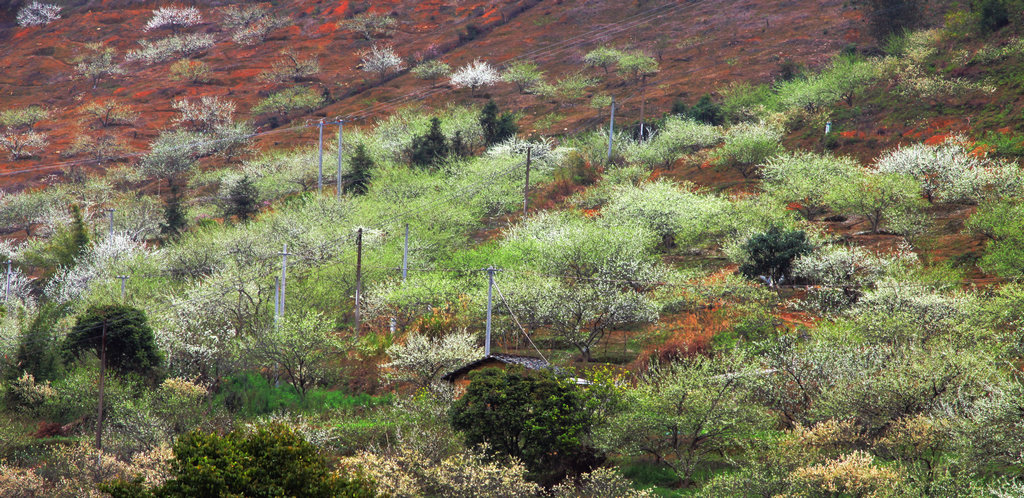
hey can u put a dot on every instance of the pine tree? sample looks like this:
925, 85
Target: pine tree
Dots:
241, 201
428, 149
357, 179
497, 128
174, 215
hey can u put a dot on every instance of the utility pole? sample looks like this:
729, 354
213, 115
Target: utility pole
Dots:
123, 279
490, 286
643, 101
284, 276
103, 371
405, 255
277, 299
7, 283
110, 213
526, 187
359, 274
611, 131
320, 169
341, 131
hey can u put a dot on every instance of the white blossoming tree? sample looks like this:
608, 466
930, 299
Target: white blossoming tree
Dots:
422, 360
38, 14
381, 59
475, 75
174, 18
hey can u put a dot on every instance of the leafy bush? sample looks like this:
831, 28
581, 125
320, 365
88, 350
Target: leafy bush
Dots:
747, 145
371, 25
534, 417
269, 460
803, 179
1002, 222
24, 118
432, 69
878, 197
603, 57
130, 344
290, 100
524, 74
250, 395
497, 128
111, 112
992, 15
770, 255
676, 213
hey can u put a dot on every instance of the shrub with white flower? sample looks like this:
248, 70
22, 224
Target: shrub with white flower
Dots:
206, 114
748, 145
38, 14
381, 59
174, 18
950, 172
101, 261
802, 179
475, 75
185, 45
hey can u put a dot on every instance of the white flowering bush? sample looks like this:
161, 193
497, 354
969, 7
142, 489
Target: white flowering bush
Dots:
678, 214
422, 360
250, 24
370, 24
992, 53
102, 261
844, 272
38, 14
174, 18
475, 75
164, 49
23, 144
381, 59
802, 179
205, 114
544, 154
842, 80
950, 172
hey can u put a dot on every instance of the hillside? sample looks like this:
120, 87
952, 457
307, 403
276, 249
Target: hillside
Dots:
793, 267
700, 50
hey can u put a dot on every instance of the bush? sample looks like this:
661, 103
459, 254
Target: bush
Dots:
992, 15
497, 128
371, 25
748, 145
38, 14
879, 197
357, 178
524, 74
950, 172
130, 344
292, 99
240, 198
430, 148
707, 111
886, 17
431, 70
802, 179
534, 417
270, 460
770, 254
164, 49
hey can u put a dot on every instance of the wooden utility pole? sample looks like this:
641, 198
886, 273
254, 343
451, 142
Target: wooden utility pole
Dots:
103, 371
526, 187
359, 275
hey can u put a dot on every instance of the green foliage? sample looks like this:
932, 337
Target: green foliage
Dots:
771, 254
534, 417
633, 66
298, 98
242, 199
430, 148
886, 17
357, 178
38, 351
251, 395
524, 74
271, 460
64, 248
748, 145
1002, 222
300, 345
190, 70
174, 214
992, 15
706, 111
604, 57
803, 179
130, 344
432, 69
888, 198
497, 128
23, 118
683, 413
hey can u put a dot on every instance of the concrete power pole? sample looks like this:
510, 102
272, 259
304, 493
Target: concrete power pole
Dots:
526, 186
123, 279
110, 213
341, 131
611, 131
284, 277
359, 276
490, 286
320, 168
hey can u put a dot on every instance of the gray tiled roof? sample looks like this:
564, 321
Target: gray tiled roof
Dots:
529, 362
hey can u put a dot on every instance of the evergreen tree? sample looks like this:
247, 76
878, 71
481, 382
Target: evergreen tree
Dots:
242, 199
174, 215
707, 111
130, 344
771, 253
64, 248
497, 128
357, 179
428, 149
37, 353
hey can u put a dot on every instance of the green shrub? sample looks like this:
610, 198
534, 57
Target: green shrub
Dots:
992, 15
748, 145
497, 128
289, 100
250, 394
770, 254
130, 344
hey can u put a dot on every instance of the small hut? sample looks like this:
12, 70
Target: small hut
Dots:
459, 378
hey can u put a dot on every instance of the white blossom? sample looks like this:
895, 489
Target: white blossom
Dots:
174, 18
475, 75
38, 14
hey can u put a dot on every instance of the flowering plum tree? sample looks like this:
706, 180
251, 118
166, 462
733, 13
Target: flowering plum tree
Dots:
475, 75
